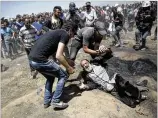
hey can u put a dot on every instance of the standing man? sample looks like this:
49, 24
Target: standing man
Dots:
144, 21
8, 34
90, 15
27, 36
48, 44
74, 15
57, 22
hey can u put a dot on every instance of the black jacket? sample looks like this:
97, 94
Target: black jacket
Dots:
144, 19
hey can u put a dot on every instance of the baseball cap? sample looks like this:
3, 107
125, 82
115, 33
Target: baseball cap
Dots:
100, 26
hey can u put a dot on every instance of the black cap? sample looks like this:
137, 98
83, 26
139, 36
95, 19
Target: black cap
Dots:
88, 3
72, 4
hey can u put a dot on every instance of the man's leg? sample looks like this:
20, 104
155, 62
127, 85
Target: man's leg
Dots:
48, 90
74, 48
33, 71
144, 36
137, 36
7, 43
118, 29
155, 34
51, 69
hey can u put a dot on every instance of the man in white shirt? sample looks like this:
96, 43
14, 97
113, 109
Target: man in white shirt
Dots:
90, 15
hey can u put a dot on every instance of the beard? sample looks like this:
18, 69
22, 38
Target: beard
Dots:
89, 68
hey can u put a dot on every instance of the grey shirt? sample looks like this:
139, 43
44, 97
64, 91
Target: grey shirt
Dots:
85, 35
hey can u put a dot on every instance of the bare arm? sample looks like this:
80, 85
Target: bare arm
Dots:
90, 51
62, 59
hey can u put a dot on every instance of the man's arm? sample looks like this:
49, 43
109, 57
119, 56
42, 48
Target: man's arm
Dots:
62, 59
90, 51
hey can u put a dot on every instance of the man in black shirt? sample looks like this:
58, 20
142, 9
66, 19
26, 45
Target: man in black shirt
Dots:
48, 44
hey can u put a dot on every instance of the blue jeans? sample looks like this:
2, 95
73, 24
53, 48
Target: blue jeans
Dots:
50, 70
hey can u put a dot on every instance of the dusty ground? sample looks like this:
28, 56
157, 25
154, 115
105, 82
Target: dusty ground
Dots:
22, 97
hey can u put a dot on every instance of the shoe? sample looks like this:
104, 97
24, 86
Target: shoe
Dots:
144, 97
34, 74
46, 105
61, 105
117, 45
142, 83
143, 48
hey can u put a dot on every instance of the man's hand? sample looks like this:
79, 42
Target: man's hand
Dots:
102, 49
70, 70
70, 62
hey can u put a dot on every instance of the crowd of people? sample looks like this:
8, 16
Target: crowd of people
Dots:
47, 34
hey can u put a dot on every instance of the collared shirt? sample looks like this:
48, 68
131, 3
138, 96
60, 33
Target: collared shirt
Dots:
28, 36
100, 77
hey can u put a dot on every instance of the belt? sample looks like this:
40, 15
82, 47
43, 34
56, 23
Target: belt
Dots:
37, 60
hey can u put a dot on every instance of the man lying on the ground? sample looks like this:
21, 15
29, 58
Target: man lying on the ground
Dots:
129, 94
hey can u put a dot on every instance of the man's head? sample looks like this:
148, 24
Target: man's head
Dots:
27, 23
85, 64
5, 23
40, 18
146, 4
88, 5
57, 11
2, 24
18, 18
100, 28
119, 10
70, 27
72, 7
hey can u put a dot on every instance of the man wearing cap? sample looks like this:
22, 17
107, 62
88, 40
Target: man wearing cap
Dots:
144, 21
89, 39
74, 15
90, 15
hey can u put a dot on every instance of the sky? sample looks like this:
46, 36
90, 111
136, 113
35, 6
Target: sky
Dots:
12, 8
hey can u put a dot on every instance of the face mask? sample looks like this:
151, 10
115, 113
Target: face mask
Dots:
89, 68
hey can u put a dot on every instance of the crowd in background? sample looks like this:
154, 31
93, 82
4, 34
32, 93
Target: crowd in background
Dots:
43, 22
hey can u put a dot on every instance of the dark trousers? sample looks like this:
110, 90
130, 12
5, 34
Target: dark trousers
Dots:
126, 92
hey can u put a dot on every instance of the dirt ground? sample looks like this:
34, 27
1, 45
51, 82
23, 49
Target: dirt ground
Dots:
22, 97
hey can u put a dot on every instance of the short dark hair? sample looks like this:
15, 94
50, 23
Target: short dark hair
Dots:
57, 7
69, 25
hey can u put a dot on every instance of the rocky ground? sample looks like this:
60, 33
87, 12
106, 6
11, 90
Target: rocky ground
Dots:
22, 97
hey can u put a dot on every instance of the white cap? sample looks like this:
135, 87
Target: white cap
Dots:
119, 9
116, 5
146, 4
107, 8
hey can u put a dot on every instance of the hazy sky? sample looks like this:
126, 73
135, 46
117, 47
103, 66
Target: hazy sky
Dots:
12, 8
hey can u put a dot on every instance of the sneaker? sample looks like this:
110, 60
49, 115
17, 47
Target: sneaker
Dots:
46, 105
144, 97
142, 83
34, 74
143, 48
61, 105
117, 45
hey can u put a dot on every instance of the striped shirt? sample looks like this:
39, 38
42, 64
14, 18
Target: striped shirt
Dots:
28, 36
